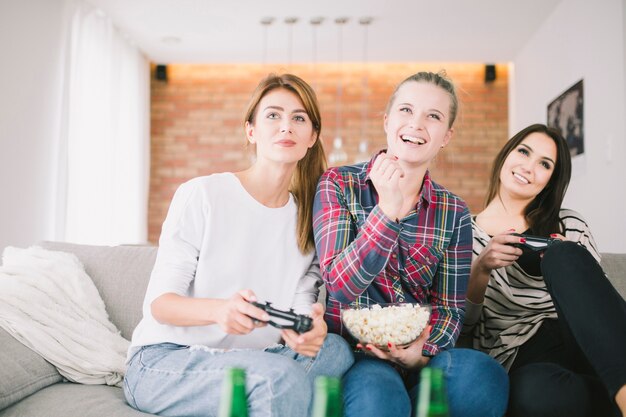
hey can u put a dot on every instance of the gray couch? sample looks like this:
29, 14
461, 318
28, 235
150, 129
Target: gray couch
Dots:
32, 387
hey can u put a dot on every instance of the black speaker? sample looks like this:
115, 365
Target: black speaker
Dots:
161, 72
490, 73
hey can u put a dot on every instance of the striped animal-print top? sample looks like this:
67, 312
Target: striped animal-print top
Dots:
515, 303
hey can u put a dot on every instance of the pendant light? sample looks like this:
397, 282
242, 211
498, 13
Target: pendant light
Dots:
338, 155
363, 151
315, 23
265, 22
290, 21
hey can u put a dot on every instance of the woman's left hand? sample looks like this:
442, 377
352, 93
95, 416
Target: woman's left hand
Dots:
309, 343
409, 357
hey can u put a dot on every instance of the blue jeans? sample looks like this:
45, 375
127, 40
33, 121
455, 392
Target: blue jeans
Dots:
173, 380
477, 386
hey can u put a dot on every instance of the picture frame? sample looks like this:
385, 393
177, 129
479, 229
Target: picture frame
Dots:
566, 113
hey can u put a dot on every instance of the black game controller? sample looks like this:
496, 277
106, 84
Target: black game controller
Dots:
535, 243
298, 322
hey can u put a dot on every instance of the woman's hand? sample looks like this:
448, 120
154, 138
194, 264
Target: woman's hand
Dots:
385, 175
237, 316
409, 357
309, 343
499, 252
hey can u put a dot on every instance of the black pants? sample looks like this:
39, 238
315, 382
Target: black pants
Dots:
575, 365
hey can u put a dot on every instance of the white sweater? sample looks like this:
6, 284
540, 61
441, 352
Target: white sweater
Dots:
217, 240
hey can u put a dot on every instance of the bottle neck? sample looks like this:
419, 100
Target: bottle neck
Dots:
327, 401
233, 401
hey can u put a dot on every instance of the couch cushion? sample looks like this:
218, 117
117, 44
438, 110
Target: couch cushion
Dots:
614, 264
121, 274
23, 371
66, 399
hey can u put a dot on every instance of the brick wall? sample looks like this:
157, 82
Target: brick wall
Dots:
197, 127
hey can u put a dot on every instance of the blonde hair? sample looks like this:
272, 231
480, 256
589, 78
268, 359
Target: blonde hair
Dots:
439, 79
310, 168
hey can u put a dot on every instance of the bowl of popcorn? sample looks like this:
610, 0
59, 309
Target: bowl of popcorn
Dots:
380, 324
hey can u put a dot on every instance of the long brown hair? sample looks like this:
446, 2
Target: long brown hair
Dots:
542, 213
310, 168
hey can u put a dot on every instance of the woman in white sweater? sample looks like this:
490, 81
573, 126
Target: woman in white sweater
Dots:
230, 239
551, 318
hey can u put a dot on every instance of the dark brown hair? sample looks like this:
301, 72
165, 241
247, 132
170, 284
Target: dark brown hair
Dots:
312, 166
542, 213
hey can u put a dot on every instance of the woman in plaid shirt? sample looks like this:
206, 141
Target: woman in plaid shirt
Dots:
386, 232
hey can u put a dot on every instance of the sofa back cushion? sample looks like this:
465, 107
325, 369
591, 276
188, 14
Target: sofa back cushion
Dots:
614, 264
121, 274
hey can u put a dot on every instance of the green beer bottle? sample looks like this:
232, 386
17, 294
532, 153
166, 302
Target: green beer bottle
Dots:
432, 400
233, 399
327, 401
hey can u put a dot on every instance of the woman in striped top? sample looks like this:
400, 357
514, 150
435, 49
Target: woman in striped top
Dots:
554, 321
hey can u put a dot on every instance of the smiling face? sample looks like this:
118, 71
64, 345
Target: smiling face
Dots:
281, 128
417, 122
529, 166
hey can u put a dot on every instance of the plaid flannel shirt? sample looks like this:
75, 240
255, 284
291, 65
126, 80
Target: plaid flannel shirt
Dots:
367, 258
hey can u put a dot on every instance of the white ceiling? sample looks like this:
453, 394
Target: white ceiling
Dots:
211, 31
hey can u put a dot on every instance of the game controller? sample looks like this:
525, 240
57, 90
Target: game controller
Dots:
298, 322
535, 243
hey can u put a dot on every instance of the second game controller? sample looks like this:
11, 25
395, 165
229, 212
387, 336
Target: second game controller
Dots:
535, 243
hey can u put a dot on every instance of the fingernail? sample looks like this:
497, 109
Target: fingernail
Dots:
553, 235
522, 240
389, 345
266, 317
368, 348
395, 157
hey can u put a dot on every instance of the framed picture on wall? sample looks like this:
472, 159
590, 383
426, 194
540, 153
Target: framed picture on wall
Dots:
566, 114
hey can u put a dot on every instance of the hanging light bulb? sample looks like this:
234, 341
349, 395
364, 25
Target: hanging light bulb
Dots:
266, 22
290, 22
315, 23
363, 152
338, 155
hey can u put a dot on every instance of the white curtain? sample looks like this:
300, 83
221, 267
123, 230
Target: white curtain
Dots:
104, 162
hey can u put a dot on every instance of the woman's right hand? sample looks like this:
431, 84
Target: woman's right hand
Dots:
385, 175
237, 316
409, 357
499, 252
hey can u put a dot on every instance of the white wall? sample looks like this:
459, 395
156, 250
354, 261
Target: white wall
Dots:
30, 94
582, 39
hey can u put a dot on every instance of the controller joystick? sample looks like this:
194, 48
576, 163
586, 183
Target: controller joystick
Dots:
288, 319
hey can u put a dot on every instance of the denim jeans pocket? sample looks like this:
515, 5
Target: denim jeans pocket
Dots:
148, 355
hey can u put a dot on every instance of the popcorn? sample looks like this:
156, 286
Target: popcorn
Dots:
397, 324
